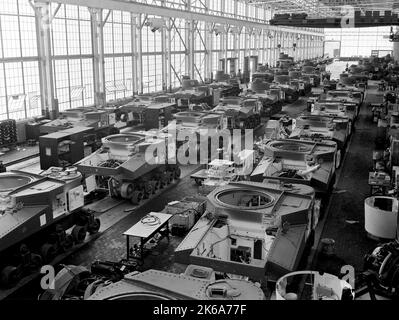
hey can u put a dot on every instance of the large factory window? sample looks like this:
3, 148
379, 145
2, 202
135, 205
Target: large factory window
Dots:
199, 60
72, 66
152, 60
118, 54
19, 73
359, 41
178, 61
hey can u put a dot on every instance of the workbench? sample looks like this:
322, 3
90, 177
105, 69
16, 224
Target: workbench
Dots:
145, 230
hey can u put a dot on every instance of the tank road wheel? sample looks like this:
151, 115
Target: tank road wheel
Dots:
338, 159
136, 197
78, 234
148, 190
177, 173
67, 243
162, 181
9, 276
155, 186
127, 190
94, 226
48, 252
35, 260
169, 177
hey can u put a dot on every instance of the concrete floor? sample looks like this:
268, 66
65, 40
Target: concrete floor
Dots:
345, 217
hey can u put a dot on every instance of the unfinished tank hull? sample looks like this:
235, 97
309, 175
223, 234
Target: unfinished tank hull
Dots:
241, 112
192, 93
125, 166
196, 283
314, 76
35, 213
291, 92
319, 127
81, 117
296, 161
227, 89
351, 99
271, 103
250, 230
336, 110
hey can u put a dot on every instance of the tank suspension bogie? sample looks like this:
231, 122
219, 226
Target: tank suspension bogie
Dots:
56, 242
145, 186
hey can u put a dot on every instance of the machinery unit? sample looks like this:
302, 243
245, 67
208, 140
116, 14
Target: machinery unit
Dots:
251, 230
35, 212
110, 281
158, 115
296, 161
221, 171
132, 166
381, 270
65, 147
185, 213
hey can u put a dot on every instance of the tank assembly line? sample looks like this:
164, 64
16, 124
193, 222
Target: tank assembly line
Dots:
256, 214
212, 155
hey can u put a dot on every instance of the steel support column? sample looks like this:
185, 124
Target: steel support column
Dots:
138, 51
189, 40
43, 25
208, 45
165, 52
97, 36
133, 33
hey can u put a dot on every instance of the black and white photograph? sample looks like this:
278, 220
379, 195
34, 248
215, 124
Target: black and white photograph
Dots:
225, 152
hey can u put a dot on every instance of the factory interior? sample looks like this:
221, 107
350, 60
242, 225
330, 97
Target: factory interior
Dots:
199, 150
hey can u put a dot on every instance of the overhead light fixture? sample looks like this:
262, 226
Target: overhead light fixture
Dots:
155, 23
219, 29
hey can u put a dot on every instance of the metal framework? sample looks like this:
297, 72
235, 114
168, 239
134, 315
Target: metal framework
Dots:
195, 38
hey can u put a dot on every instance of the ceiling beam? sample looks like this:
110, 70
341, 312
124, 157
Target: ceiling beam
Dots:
135, 7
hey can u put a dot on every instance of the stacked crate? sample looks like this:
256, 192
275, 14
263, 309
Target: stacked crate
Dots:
8, 133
